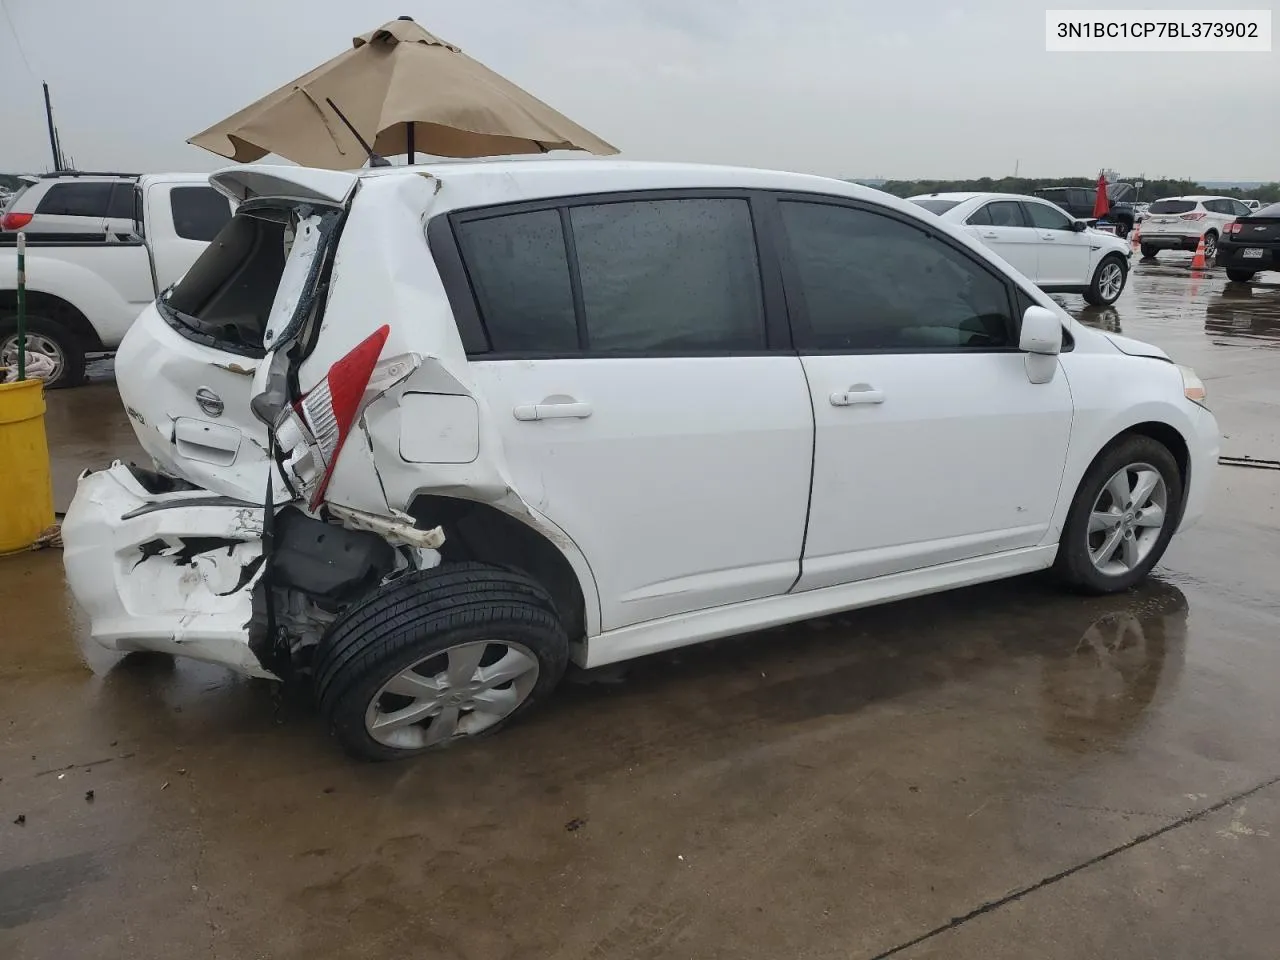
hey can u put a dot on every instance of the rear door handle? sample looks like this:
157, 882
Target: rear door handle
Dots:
572, 410
991, 236
858, 393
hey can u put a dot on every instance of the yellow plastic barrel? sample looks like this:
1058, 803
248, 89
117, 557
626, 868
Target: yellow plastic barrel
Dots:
26, 488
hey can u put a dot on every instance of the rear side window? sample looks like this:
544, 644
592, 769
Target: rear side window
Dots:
76, 200
520, 275
1172, 206
627, 278
869, 282
934, 205
198, 212
999, 213
121, 205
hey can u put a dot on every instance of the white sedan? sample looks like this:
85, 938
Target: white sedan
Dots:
1047, 245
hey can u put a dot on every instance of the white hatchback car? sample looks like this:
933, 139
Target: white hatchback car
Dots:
1179, 223
427, 434
1057, 252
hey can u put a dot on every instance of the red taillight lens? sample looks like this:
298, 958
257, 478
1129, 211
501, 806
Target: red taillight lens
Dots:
1198, 215
14, 221
331, 408
1232, 227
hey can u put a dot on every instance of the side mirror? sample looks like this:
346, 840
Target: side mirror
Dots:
1078, 226
1041, 332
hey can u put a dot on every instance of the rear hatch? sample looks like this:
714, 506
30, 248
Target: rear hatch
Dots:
191, 365
1173, 216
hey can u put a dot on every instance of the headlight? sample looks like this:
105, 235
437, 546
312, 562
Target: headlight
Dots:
1192, 386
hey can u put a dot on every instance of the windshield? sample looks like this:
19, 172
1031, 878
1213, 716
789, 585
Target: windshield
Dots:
934, 204
1172, 206
227, 297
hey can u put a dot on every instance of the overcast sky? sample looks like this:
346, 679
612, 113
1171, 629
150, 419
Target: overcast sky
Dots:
931, 88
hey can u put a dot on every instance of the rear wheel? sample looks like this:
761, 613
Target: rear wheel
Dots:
1123, 516
49, 339
1149, 252
438, 656
1210, 246
1107, 283
1240, 276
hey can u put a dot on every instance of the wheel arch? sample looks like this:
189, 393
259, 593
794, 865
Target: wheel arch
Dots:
53, 307
482, 532
1163, 433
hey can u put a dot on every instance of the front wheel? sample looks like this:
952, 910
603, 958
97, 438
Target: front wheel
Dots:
1240, 276
1107, 283
49, 339
1122, 518
438, 656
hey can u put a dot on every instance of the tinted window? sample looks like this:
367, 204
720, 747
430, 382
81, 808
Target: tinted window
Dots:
1239, 209
120, 207
869, 282
669, 275
934, 205
1172, 206
198, 212
76, 200
1046, 217
1004, 213
520, 275
980, 217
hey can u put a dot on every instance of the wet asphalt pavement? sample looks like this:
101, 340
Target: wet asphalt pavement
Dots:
997, 772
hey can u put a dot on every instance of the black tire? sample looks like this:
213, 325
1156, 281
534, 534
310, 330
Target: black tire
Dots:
1149, 252
1074, 566
1123, 229
1094, 295
425, 613
62, 339
1211, 254
1240, 276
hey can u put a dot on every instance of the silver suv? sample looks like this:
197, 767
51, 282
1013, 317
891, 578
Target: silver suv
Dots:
73, 207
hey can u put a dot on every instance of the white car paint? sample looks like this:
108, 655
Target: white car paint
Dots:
1205, 217
1054, 257
110, 283
679, 491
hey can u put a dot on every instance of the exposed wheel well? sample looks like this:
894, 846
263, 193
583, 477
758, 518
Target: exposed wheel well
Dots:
477, 531
54, 308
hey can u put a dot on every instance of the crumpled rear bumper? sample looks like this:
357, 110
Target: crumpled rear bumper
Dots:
169, 572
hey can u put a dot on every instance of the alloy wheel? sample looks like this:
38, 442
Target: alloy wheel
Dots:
36, 343
1127, 518
1111, 281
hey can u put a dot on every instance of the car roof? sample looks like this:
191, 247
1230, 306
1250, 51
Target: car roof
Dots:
966, 197
1197, 197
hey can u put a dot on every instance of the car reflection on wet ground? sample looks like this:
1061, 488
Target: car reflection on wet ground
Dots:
1004, 771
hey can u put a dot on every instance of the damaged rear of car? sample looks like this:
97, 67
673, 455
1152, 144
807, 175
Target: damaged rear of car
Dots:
286, 528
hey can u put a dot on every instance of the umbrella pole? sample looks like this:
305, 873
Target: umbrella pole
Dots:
408, 135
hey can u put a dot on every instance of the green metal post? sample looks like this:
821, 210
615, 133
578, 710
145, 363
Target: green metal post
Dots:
22, 306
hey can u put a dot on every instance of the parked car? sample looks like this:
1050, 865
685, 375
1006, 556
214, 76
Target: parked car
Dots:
505, 415
1055, 251
73, 206
1179, 223
1254, 205
1251, 244
1079, 201
82, 294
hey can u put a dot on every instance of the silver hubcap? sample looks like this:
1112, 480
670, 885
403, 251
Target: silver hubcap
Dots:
458, 692
1127, 519
1111, 281
36, 343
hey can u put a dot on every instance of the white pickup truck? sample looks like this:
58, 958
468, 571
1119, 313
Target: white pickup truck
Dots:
83, 295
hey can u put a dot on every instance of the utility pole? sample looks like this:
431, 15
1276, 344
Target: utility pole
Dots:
53, 136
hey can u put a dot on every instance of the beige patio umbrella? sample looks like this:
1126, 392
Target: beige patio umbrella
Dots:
399, 90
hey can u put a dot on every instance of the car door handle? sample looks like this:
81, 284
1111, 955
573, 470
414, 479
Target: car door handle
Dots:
1047, 236
991, 236
571, 410
858, 393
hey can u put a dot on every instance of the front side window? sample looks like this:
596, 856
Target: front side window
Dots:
198, 212
869, 282
76, 200
1046, 217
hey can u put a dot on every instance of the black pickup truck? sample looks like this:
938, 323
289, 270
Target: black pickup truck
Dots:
1078, 201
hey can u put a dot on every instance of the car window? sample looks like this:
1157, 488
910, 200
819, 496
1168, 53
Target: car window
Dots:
198, 212
1172, 206
1002, 213
669, 275
935, 205
76, 200
871, 282
120, 206
1240, 209
519, 272
980, 217
1046, 217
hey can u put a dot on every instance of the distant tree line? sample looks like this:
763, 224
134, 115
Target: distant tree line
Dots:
1151, 189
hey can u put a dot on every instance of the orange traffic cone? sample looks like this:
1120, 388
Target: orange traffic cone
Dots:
1197, 262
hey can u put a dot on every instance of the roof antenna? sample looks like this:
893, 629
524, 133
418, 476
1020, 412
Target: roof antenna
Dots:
374, 159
